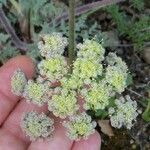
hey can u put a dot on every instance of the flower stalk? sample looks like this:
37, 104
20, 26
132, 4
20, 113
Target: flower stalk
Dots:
71, 33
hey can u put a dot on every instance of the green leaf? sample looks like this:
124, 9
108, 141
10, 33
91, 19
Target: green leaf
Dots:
8, 52
101, 113
33, 52
138, 4
129, 80
111, 102
146, 114
3, 37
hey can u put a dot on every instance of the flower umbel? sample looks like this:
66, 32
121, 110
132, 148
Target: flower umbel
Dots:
87, 68
114, 60
72, 82
37, 93
64, 104
52, 45
97, 96
18, 82
80, 126
54, 69
91, 49
93, 79
124, 114
37, 125
117, 78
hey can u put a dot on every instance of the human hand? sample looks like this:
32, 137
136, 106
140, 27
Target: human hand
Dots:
12, 107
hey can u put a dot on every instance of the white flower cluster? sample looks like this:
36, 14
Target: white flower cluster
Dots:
71, 83
116, 78
124, 114
112, 59
97, 96
92, 81
91, 49
116, 72
18, 82
53, 68
87, 68
64, 104
37, 93
52, 45
37, 125
80, 126
88, 64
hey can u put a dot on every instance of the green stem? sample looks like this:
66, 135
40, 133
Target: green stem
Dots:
71, 33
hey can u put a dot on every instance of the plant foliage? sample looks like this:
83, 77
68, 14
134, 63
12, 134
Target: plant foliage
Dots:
135, 29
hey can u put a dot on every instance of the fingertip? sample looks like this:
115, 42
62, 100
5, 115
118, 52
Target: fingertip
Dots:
97, 140
6, 71
23, 62
92, 143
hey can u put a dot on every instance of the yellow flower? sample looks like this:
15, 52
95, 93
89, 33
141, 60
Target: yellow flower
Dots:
54, 69
18, 82
91, 49
96, 97
116, 77
37, 125
52, 45
125, 113
79, 126
87, 68
64, 104
36, 93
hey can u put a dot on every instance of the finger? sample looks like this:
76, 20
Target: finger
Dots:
13, 122
7, 70
7, 99
57, 142
92, 143
10, 142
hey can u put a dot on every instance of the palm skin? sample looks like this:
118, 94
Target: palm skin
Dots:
12, 108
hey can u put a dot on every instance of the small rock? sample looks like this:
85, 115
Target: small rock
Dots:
131, 141
106, 127
146, 55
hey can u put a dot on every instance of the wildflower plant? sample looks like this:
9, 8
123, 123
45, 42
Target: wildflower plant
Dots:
97, 79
